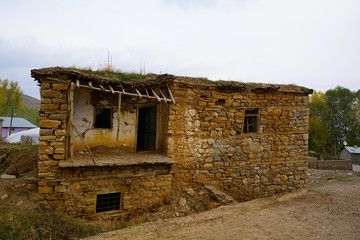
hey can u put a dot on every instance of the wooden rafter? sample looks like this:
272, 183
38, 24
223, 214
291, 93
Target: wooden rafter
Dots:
137, 94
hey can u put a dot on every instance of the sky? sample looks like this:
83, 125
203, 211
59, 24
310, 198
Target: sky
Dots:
311, 43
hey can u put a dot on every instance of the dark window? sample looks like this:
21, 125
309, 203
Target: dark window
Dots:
102, 118
251, 121
108, 202
146, 138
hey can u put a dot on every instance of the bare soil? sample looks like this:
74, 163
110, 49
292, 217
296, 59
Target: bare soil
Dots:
18, 160
328, 209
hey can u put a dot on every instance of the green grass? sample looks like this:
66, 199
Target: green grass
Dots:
116, 74
41, 223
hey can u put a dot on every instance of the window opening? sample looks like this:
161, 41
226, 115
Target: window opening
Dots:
251, 121
102, 118
108, 202
146, 137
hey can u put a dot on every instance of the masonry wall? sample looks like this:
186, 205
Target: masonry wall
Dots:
206, 141
73, 190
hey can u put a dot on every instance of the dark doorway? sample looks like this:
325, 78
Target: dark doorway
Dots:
146, 137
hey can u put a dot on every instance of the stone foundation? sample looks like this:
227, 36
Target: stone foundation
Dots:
141, 187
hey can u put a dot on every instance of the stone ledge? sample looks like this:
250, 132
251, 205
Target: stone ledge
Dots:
124, 160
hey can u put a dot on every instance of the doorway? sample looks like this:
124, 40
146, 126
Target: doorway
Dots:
146, 135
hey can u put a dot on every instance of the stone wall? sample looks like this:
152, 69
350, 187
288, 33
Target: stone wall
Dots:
142, 187
334, 164
74, 190
206, 140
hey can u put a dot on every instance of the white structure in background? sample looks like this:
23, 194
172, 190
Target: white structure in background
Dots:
27, 137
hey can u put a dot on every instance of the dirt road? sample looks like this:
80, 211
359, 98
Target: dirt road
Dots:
328, 210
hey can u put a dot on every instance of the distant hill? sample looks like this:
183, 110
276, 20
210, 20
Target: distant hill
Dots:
31, 102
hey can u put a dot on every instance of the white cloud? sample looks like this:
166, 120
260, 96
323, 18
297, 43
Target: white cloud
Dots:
310, 43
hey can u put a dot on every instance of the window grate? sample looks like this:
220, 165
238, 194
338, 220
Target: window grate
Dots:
108, 202
251, 121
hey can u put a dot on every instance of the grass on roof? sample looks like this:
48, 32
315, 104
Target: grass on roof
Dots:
118, 75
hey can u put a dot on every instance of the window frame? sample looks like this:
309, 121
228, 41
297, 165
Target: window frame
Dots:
120, 205
253, 113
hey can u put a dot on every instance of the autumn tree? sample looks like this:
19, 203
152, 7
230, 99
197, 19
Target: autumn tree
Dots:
334, 120
10, 95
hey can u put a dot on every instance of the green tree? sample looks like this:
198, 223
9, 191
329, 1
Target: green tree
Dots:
10, 95
319, 133
340, 116
334, 119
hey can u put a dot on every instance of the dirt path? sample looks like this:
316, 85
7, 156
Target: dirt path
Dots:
329, 210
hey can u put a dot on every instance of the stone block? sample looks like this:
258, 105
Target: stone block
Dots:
75, 186
45, 190
58, 116
61, 132
49, 123
60, 86
45, 106
50, 93
60, 188
63, 107
46, 150
148, 184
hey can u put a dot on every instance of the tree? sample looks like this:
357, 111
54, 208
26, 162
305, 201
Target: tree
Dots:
10, 94
334, 119
319, 133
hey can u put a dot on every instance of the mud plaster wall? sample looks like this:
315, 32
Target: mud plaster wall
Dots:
206, 141
85, 102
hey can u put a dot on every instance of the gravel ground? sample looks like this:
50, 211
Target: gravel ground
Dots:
328, 209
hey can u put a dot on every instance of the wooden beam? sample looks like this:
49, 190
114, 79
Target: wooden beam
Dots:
127, 93
157, 97
70, 123
111, 89
172, 97
162, 94
147, 93
119, 108
83, 141
139, 94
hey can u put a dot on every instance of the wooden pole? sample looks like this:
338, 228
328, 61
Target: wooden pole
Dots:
71, 116
12, 116
118, 126
83, 141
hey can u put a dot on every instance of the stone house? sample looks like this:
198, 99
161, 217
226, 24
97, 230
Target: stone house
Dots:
350, 153
113, 144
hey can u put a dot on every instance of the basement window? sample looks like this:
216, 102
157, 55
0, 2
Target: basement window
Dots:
251, 121
102, 118
108, 202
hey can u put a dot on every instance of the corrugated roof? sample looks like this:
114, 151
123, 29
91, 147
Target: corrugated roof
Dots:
17, 122
354, 149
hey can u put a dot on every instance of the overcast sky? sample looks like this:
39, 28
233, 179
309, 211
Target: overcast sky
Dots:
312, 43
